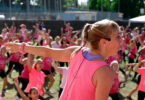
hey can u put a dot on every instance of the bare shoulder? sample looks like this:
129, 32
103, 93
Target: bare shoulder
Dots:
104, 73
105, 70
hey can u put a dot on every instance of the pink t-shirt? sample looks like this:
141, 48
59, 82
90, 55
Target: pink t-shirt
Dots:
25, 72
115, 85
141, 86
133, 52
47, 63
3, 61
15, 57
79, 83
36, 79
127, 40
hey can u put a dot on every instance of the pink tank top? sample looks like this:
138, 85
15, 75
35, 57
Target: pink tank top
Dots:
115, 86
2, 62
133, 52
25, 72
47, 63
36, 79
15, 57
80, 87
141, 86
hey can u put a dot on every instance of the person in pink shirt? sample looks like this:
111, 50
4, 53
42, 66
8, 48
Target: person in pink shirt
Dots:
115, 87
14, 63
24, 77
132, 54
12, 30
47, 71
23, 30
36, 78
141, 38
141, 87
103, 40
3, 61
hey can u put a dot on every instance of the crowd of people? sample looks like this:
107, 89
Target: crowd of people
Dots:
85, 64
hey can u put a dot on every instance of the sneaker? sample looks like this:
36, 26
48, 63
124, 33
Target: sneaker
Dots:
3, 92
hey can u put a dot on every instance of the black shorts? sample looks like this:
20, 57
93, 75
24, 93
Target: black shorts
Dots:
139, 78
46, 72
2, 74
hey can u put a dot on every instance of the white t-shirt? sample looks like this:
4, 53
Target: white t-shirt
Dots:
64, 76
55, 45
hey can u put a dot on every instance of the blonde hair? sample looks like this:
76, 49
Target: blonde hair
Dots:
99, 30
93, 33
36, 62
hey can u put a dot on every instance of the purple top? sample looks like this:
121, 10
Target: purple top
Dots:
87, 55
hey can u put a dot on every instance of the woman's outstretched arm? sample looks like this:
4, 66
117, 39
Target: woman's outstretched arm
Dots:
62, 55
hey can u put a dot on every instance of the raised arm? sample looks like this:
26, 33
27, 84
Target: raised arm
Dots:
19, 90
62, 55
30, 61
57, 68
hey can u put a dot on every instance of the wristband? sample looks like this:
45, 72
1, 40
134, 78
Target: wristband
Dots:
22, 48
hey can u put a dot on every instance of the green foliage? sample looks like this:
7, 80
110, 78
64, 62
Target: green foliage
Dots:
68, 4
130, 8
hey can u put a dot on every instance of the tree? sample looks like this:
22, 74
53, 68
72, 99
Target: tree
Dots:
130, 8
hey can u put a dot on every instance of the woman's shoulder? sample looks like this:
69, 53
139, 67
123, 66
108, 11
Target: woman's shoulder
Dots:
105, 70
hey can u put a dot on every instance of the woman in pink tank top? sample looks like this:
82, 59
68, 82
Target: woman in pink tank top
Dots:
115, 87
102, 39
24, 77
3, 61
36, 78
141, 87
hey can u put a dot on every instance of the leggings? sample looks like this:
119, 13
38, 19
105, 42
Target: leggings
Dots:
131, 60
17, 66
114, 96
141, 95
24, 83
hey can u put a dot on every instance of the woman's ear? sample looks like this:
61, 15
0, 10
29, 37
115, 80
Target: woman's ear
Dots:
103, 42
